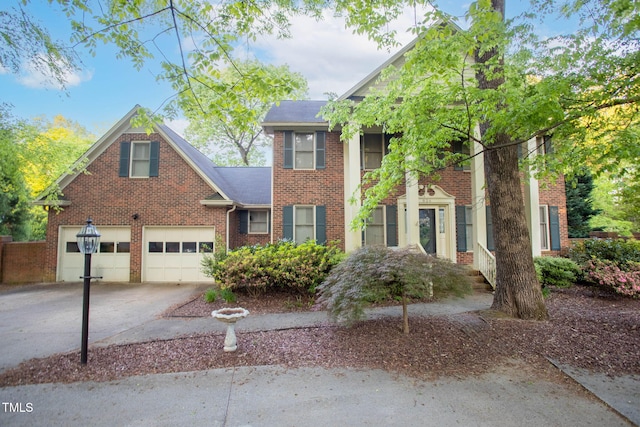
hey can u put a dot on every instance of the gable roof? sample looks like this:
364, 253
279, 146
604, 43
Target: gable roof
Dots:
242, 186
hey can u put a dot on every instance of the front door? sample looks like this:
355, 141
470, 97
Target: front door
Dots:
428, 230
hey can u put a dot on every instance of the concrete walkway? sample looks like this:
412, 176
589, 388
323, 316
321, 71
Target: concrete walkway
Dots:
270, 395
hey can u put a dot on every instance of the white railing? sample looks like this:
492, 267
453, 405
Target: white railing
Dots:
487, 264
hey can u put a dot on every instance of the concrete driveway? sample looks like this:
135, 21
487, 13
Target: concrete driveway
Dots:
40, 320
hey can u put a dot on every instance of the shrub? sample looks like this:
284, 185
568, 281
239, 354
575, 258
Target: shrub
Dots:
375, 273
284, 265
619, 251
608, 274
556, 271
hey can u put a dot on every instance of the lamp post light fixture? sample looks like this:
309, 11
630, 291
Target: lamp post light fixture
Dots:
88, 240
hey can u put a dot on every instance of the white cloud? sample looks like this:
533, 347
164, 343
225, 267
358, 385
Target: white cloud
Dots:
39, 78
331, 57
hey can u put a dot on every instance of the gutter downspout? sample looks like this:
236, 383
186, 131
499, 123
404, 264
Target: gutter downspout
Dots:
228, 212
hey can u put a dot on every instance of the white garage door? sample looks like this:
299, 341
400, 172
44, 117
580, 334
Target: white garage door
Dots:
175, 253
111, 261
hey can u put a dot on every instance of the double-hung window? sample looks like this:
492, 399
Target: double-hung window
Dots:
544, 228
139, 159
303, 222
304, 150
461, 146
372, 150
258, 222
303, 229
374, 232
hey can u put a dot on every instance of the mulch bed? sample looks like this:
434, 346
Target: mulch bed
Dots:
587, 329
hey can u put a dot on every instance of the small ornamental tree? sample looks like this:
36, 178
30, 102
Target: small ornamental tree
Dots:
377, 273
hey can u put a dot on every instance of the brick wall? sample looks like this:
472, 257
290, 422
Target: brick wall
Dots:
22, 262
319, 187
171, 199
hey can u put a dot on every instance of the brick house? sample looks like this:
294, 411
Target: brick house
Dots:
159, 203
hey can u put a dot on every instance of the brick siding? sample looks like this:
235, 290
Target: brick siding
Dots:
171, 199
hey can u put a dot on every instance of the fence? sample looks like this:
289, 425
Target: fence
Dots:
21, 262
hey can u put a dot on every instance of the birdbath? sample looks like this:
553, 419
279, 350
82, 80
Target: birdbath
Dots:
230, 316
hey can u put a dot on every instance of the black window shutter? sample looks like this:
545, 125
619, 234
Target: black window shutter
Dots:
243, 220
288, 149
387, 142
321, 225
491, 245
320, 150
125, 150
392, 220
461, 228
154, 158
457, 148
554, 226
287, 222
361, 152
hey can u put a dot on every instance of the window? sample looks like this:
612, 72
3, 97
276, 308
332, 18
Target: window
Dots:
72, 247
468, 213
107, 247
544, 228
372, 150
156, 247
258, 222
374, 232
172, 247
140, 152
139, 159
304, 150
189, 247
123, 247
462, 147
303, 225
206, 247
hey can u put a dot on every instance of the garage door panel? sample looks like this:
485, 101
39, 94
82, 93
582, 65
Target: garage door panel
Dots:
172, 253
111, 262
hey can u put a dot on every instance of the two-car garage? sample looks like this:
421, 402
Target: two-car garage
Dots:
168, 254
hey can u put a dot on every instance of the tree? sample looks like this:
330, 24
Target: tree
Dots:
46, 149
500, 77
580, 204
14, 200
226, 125
497, 76
25, 42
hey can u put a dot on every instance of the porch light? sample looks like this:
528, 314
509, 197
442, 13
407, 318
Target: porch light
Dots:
88, 239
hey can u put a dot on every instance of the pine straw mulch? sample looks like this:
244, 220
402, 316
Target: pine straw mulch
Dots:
587, 329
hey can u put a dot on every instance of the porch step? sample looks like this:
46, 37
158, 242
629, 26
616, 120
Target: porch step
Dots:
478, 282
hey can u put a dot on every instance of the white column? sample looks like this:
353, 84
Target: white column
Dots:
413, 207
478, 205
532, 201
352, 238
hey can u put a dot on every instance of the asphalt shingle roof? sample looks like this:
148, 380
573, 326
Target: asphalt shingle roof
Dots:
295, 112
245, 185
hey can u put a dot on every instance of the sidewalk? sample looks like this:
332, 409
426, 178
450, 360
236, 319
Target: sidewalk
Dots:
276, 396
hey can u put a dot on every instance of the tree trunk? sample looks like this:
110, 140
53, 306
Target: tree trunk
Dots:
518, 292
405, 315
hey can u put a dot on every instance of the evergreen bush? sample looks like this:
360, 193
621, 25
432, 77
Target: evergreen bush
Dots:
556, 271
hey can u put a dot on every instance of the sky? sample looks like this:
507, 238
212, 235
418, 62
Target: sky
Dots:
328, 55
